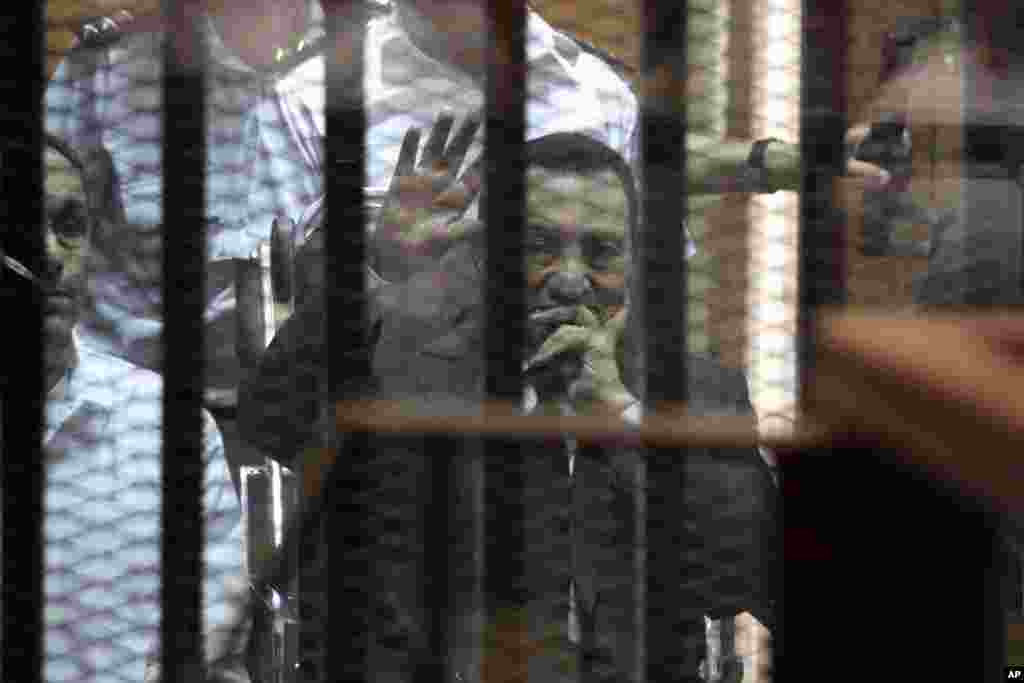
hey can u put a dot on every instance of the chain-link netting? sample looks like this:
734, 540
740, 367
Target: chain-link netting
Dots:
586, 564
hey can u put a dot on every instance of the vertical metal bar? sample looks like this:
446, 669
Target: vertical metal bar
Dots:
436, 588
184, 173
505, 201
22, 472
640, 571
472, 514
821, 263
351, 585
993, 23
991, 637
504, 214
673, 636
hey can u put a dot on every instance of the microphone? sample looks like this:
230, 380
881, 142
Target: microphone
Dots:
17, 267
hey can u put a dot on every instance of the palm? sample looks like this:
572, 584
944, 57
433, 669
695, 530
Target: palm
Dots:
425, 201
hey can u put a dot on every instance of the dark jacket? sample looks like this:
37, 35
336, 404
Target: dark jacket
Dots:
578, 529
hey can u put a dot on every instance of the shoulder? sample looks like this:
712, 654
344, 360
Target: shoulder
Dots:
108, 41
383, 28
110, 381
132, 394
573, 87
586, 61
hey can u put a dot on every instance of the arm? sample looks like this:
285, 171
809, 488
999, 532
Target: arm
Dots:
222, 515
716, 166
71, 96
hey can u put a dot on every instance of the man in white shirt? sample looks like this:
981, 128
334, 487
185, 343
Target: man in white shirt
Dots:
110, 95
427, 56
102, 444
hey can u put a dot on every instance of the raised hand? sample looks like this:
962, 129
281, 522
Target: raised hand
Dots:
424, 210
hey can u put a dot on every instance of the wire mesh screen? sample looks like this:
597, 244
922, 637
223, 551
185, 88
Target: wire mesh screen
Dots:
547, 558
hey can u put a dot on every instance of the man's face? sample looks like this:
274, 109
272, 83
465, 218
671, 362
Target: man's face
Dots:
66, 244
576, 247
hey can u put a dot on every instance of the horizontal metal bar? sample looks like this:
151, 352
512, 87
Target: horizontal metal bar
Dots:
673, 427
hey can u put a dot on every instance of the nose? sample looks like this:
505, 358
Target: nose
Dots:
568, 287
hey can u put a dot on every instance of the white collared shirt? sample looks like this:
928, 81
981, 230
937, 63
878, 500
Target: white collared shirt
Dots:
569, 90
102, 443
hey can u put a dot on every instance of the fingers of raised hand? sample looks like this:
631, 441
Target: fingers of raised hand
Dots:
461, 142
407, 155
443, 158
433, 151
472, 180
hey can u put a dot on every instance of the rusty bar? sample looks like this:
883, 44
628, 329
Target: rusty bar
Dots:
673, 638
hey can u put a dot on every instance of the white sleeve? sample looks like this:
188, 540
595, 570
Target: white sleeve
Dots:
222, 514
70, 99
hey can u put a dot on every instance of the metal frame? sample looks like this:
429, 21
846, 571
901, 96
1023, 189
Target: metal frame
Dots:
22, 474
184, 159
663, 129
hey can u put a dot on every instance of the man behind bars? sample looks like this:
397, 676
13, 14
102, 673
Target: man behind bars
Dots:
265, 122
266, 118
103, 459
426, 347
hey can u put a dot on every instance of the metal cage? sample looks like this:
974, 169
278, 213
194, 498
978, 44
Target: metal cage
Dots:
799, 649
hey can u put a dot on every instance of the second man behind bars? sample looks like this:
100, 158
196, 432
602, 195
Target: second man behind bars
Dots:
580, 501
